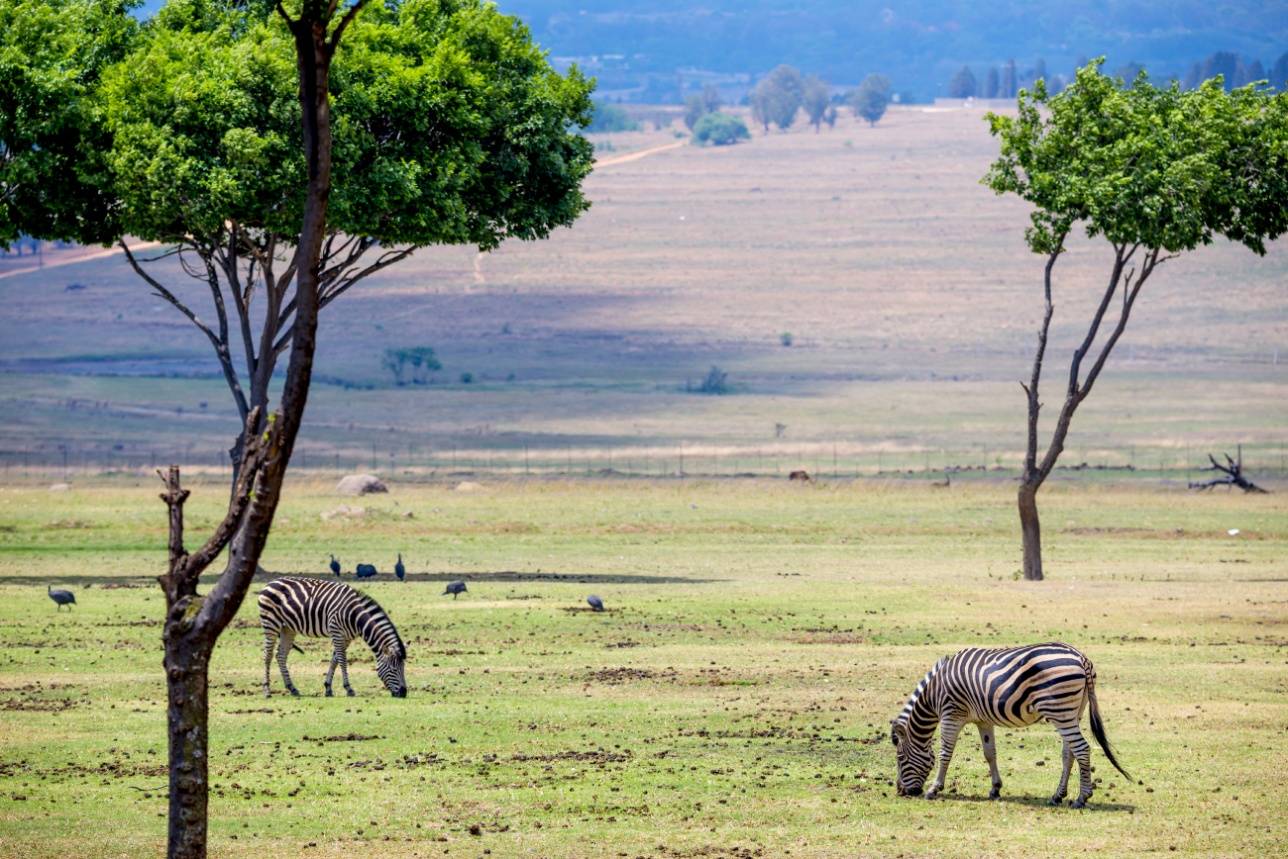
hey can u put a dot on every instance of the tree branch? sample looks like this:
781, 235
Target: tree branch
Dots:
1031, 389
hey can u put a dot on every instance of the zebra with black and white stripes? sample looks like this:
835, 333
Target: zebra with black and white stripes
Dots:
323, 608
1014, 687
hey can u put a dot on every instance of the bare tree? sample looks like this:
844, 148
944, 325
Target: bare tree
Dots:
1232, 473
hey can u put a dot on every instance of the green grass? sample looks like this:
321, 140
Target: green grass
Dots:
734, 702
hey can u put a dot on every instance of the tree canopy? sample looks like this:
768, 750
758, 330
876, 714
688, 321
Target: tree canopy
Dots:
778, 97
719, 129
871, 98
1158, 167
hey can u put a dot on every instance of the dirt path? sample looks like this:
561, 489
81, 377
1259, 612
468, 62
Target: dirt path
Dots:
101, 254
635, 156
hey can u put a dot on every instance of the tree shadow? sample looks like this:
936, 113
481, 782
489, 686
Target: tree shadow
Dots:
109, 582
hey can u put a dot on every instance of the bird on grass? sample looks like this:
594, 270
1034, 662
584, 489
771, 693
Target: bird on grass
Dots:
335, 565
455, 589
595, 603
365, 571
60, 597
399, 570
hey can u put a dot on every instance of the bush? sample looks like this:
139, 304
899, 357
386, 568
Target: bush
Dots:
420, 359
785, 338
716, 382
719, 129
609, 118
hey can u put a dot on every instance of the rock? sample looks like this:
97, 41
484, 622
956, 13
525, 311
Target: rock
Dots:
468, 486
360, 484
60, 487
344, 510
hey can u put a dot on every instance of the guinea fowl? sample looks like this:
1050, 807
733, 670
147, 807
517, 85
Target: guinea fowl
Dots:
595, 603
335, 565
364, 571
455, 589
60, 597
399, 570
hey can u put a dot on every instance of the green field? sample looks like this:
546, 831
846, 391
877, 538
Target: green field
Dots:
733, 702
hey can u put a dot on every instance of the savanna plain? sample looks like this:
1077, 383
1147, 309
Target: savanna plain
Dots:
734, 699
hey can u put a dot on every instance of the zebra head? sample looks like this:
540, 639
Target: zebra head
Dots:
913, 756
390, 661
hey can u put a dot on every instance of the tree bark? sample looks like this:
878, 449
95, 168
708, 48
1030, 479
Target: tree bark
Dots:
187, 669
1030, 531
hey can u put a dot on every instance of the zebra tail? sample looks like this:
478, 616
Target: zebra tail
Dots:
298, 649
1098, 730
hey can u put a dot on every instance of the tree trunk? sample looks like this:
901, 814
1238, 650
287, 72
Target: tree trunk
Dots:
1031, 530
187, 669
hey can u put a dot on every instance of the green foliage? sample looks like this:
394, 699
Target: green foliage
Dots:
778, 97
611, 118
715, 382
421, 360
816, 98
719, 129
871, 98
963, 84
52, 144
700, 104
1162, 168
450, 127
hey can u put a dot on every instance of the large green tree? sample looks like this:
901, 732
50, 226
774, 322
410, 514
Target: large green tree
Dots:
215, 130
778, 97
816, 98
871, 98
1150, 172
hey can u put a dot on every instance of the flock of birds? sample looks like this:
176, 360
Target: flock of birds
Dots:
362, 571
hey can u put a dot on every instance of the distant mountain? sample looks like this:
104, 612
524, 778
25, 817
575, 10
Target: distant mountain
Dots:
656, 50
652, 50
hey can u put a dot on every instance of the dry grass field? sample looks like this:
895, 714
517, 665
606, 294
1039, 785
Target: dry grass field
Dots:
905, 285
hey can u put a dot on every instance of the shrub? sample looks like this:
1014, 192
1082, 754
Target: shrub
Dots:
610, 118
785, 338
719, 129
716, 382
420, 359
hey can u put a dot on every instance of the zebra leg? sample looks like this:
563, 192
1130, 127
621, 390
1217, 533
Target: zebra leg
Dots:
1076, 748
342, 655
330, 672
270, 642
990, 754
948, 730
284, 650
1063, 787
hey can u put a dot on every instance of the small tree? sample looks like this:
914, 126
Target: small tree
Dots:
963, 84
816, 97
871, 98
1010, 80
610, 118
778, 97
694, 109
1154, 173
711, 101
1279, 72
719, 129
991, 83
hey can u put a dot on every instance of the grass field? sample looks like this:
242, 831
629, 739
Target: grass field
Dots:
733, 702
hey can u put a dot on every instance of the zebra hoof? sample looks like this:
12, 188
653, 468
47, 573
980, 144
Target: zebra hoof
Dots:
1056, 800
1078, 803
328, 692
350, 693
932, 793
295, 692
995, 793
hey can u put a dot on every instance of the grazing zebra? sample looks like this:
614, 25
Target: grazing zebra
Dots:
1014, 687
321, 607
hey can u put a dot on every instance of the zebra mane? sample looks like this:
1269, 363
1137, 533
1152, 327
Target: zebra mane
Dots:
369, 601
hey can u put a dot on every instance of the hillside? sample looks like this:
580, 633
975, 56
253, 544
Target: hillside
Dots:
911, 301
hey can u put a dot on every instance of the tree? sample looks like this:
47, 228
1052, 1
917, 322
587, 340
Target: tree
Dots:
1153, 172
963, 84
778, 97
210, 130
871, 98
1039, 70
711, 101
1254, 72
694, 110
816, 97
1222, 63
421, 359
1010, 82
610, 118
991, 83
719, 129
1279, 72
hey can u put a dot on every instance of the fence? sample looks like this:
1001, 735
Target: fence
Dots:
836, 460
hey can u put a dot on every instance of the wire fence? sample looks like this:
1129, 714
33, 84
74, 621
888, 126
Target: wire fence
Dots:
834, 460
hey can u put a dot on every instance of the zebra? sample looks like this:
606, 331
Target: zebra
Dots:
1014, 687
321, 607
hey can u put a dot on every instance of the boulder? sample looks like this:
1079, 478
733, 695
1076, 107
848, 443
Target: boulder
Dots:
360, 484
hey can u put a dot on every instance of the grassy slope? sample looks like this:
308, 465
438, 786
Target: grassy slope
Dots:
904, 282
733, 703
